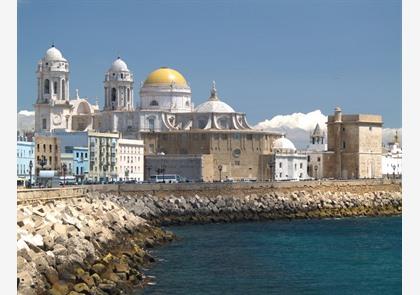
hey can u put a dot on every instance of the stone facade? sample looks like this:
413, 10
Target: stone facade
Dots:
238, 152
191, 167
354, 146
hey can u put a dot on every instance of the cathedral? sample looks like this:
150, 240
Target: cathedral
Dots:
166, 118
165, 102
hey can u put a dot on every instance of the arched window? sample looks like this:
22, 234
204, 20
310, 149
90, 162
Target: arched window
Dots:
202, 123
122, 76
55, 87
63, 89
154, 103
44, 125
152, 123
128, 94
47, 86
114, 94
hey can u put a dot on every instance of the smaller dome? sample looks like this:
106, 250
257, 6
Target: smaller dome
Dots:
214, 106
119, 66
53, 54
284, 144
165, 76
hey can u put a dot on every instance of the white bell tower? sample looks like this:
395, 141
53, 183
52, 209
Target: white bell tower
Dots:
118, 87
52, 107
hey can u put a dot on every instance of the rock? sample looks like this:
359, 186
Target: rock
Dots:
122, 267
61, 229
99, 268
59, 288
87, 279
81, 287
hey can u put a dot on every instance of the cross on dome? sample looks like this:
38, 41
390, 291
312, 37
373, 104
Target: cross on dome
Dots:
213, 92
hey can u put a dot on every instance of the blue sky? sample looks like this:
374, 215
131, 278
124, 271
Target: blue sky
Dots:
267, 57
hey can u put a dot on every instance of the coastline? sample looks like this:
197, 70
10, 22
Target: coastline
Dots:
98, 243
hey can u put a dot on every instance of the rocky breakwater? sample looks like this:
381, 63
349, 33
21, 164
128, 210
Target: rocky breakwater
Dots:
82, 246
203, 208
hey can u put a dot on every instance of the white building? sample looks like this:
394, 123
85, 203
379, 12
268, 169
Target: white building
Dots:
130, 159
392, 159
288, 164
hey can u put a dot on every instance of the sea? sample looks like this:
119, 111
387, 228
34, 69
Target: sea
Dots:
317, 256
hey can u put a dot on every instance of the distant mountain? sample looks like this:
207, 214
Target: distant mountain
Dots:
298, 127
25, 121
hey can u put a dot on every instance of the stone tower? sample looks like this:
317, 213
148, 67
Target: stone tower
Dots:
354, 146
52, 107
118, 86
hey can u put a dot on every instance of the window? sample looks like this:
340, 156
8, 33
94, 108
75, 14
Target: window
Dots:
44, 123
55, 87
280, 164
47, 86
295, 166
50, 148
154, 103
309, 158
122, 76
152, 124
44, 148
237, 163
301, 165
50, 158
281, 174
114, 94
63, 89
344, 144
319, 159
344, 129
77, 155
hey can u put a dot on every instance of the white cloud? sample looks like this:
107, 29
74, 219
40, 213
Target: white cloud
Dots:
302, 121
25, 121
26, 113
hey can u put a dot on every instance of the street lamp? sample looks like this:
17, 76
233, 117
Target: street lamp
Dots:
163, 172
64, 170
393, 168
127, 172
148, 171
42, 162
30, 173
220, 167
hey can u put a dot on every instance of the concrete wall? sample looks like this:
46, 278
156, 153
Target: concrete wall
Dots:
243, 187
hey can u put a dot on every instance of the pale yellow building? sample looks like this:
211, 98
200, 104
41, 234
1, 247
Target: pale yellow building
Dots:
47, 153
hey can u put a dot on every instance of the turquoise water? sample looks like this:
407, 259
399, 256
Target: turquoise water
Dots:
335, 256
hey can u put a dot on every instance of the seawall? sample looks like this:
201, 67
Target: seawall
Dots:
95, 239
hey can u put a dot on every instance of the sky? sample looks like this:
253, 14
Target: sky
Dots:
267, 57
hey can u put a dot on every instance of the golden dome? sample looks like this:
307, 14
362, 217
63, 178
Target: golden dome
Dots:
166, 76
